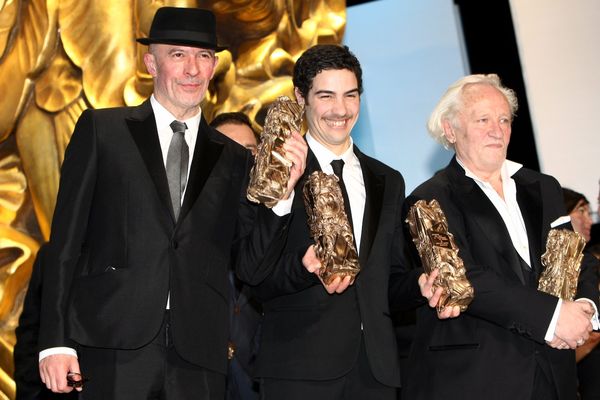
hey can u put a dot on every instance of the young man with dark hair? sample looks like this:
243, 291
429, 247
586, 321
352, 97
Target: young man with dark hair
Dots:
334, 341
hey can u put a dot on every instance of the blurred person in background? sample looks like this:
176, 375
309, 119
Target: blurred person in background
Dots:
244, 310
595, 231
588, 355
578, 208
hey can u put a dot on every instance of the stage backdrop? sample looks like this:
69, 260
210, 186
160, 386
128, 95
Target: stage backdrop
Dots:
560, 55
410, 51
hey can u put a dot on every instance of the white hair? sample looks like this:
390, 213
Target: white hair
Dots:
452, 102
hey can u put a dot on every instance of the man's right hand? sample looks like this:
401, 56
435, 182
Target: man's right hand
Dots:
573, 326
54, 370
433, 295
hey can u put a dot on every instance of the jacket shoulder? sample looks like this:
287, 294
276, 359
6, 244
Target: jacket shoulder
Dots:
438, 184
530, 176
378, 167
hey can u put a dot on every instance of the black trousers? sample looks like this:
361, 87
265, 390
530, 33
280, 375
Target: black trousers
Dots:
358, 384
588, 373
155, 371
543, 385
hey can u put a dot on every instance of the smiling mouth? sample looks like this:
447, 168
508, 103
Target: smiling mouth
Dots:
336, 123
190, 84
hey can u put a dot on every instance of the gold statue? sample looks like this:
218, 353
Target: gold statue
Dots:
562, 261
58, 58
271, 171
429, 229
329, 226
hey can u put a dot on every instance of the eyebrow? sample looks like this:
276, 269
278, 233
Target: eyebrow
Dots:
324, 91
184, 50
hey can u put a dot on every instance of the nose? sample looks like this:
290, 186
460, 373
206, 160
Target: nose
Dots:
191, 66
588, 218
339, 107
497, 129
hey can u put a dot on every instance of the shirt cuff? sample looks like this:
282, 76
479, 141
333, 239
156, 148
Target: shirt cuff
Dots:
284, 207
550, 332
594, 319
57, 350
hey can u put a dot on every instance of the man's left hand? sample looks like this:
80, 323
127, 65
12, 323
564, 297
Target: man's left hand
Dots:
311, 262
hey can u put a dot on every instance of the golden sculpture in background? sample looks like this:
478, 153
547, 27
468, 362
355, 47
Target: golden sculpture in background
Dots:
562, 261
59, 57
271, 171
330, 227
429, 229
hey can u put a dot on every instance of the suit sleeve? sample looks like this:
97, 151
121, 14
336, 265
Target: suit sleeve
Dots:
69, 225
404, 292
288, 274
260, 237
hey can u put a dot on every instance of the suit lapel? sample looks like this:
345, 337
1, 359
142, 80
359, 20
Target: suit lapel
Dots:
206, 155
374, 187
529, 199
472, 198
142, 127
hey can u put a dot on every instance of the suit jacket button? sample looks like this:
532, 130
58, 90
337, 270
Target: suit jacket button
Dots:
230, 350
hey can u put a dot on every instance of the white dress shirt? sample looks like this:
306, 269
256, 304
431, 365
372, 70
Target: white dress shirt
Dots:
508, 208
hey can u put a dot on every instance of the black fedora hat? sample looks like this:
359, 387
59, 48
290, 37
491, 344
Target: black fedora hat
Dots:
185, 26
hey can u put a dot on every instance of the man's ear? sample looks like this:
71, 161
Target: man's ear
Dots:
150, 62
449, 131
299, 97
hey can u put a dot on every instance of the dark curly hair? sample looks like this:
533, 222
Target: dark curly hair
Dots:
324, 57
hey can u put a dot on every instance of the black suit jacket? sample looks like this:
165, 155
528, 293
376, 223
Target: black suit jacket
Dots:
493, 349
311, 335
116, 252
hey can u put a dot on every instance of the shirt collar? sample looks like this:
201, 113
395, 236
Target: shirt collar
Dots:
508, 169
325, 156
164, 117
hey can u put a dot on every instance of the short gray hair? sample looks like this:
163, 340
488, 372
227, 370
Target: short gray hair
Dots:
452, 102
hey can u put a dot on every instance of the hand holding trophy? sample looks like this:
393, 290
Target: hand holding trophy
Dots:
330, 227
437, 250
271, 171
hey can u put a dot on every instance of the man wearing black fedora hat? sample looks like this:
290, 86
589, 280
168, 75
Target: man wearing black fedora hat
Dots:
150, 213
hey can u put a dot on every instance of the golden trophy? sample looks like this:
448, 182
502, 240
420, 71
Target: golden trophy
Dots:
437, 250
330, 227
562, 261
271, 171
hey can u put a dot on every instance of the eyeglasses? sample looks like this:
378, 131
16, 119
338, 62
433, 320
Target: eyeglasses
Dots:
76, 380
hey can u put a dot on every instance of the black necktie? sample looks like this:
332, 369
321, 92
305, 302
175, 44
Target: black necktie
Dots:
338, 167
177, 165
